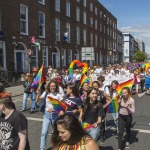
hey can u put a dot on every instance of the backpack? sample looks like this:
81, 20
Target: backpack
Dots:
42, 104
2, 89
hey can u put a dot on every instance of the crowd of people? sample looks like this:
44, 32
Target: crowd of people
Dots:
86, 103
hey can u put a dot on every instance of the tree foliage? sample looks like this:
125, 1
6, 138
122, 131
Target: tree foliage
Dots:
139, 56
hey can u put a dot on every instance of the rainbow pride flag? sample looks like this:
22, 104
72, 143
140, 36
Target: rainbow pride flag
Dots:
83, 79
40, 77
113, 106
128, 84
86, 126
57, 105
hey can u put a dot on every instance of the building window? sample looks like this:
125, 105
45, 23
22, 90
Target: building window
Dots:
101, 14
104, 43
101, 27
41, 2
84, 37
104, 29
68, 31
41, 24
57, 29
23, 19
84, 3
57, 5
0, 21
45, 55
101, 43
78, 35
96, 24
91, 7
77, 14
95, 10
95, 40
68, 8
63, 57
91, 21
84, 17
91, 39
34, 60
1, 54
69, 55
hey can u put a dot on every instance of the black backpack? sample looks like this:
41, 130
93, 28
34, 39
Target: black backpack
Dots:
2, 89
42, 104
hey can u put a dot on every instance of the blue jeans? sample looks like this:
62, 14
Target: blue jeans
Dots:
24, 103
33, 103
115, 117
48, 119
94, 133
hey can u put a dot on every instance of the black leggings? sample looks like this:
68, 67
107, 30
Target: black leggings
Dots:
127, 120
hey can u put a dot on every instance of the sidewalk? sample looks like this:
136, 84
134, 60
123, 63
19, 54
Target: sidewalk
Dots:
15, 90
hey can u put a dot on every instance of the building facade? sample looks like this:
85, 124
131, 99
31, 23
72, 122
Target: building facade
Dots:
120, 50
128, 46
61, 28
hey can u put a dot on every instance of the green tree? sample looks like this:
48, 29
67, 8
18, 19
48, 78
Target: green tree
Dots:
139, 56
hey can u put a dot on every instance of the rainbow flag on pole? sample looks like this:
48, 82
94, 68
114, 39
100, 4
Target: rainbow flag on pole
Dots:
40, 77
86, 126
113, 106
128, 84
57, 105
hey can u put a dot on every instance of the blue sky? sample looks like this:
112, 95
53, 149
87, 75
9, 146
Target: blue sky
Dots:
133, 16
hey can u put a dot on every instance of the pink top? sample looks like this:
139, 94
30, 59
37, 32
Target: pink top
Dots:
124, 110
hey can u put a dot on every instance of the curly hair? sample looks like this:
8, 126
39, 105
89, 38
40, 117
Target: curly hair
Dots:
47, 88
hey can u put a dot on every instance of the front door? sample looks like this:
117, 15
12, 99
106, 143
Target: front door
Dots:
54, 58
19, 66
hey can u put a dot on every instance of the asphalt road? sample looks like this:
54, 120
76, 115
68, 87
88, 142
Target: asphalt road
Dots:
140, 138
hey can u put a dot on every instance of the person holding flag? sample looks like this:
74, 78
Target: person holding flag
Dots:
52, 90
126, 109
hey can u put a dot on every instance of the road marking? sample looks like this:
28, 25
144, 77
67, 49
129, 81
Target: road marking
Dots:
141, 94
137, 130
34, 119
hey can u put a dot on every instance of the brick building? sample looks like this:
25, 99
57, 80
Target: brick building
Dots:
61, 27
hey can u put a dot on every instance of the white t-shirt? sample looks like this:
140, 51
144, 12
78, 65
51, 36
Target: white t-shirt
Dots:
53, 95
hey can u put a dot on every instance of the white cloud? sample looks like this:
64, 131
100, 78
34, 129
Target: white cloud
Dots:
141, 32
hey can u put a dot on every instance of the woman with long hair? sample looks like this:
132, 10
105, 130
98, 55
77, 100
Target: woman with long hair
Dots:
73, 100
93, 113
52, 90
69, 135
27, 91
126, 109
83, 91
113, 94
105, 100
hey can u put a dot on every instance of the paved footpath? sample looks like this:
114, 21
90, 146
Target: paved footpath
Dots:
15, 90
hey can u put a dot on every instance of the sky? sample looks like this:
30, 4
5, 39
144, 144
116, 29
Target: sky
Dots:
133, 16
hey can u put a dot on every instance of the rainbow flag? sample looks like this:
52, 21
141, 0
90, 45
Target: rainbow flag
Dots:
86, 126
57, 105
128, 84
40, 77
113, 106
83, 79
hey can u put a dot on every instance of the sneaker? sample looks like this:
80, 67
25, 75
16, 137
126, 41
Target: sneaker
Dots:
101, 140
127, 145
22, 110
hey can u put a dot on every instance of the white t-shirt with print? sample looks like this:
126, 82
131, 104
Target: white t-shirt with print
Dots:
53, 95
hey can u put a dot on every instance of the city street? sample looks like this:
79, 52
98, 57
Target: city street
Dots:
140, 139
